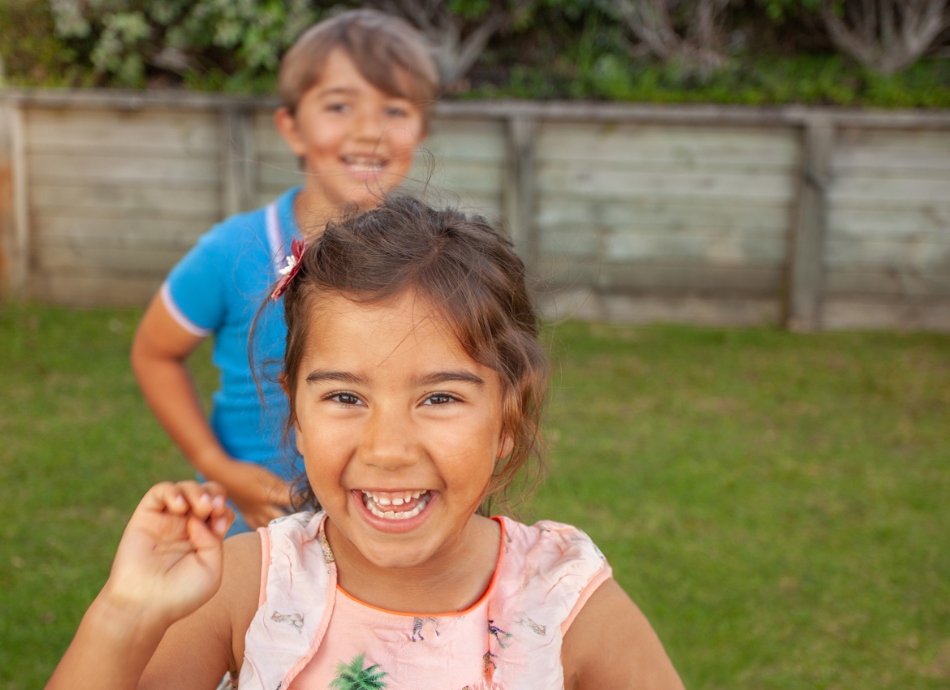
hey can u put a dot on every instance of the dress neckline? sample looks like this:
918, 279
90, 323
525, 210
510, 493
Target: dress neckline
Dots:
449, 614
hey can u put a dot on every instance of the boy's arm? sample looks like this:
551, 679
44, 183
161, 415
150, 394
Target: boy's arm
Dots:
167, 567
159, 351
610, 644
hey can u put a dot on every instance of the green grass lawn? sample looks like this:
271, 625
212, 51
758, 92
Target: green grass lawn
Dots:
775, 503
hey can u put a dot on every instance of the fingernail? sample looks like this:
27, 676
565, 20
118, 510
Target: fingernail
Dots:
179, 501
205, 498
220, 525
218, 502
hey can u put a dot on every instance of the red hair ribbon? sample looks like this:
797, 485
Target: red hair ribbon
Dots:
297, 248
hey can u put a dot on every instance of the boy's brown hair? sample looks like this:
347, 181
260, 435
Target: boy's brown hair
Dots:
465, 271
387, 51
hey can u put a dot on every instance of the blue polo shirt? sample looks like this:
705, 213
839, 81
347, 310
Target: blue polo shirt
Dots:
218, 289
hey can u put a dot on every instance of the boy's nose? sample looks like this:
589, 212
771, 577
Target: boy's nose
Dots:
389, 440
369, 125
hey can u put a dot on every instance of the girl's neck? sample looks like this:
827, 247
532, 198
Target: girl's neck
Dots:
452, 581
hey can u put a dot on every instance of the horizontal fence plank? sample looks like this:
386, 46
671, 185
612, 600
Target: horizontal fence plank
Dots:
623, 243
930, 220
93, 289
117, 260
768, 218
97, 198
589, 304
894, 191
914, 253
867, 314
188, 172
889, 281
692, 148
128, 231
614, 181
671, 277
165, 132
574, 111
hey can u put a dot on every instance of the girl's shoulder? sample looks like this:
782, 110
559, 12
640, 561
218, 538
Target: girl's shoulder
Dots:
241, 584
566, 581
550, 569
548, 544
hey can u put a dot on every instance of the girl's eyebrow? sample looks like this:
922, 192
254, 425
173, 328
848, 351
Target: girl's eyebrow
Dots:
435, 378
339, 376
446, 376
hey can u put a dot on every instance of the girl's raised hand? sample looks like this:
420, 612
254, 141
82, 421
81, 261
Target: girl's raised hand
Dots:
169, 560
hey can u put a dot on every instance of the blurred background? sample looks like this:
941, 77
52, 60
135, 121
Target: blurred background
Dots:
738, 215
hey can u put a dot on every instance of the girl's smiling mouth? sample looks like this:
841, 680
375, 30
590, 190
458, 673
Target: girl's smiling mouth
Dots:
395, 510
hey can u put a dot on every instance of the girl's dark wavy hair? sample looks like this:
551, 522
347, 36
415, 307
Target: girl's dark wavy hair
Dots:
467, 272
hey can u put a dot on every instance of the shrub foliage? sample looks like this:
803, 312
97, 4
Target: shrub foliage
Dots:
848, 52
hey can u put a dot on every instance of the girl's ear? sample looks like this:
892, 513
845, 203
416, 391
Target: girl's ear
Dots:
507, 445
286, 124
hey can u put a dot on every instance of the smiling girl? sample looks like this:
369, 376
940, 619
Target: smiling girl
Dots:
415, 382
356, 92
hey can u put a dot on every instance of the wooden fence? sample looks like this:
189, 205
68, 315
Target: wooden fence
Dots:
814, 218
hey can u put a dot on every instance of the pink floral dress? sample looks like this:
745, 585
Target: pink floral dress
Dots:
310, 634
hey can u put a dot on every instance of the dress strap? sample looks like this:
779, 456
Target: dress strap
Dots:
300, 591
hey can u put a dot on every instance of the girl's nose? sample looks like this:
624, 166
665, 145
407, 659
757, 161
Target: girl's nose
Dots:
388, 440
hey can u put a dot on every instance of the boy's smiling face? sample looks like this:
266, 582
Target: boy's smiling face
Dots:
400, 431
357, 142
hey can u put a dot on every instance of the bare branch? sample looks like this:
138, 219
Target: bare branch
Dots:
885, 35
453, 53
693, 37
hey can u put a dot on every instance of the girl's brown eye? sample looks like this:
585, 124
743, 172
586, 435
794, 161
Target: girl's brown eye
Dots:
440, 399
344, 398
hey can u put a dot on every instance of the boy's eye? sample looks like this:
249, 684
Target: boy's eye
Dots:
396, 111
439, 399
337, 107
344, 398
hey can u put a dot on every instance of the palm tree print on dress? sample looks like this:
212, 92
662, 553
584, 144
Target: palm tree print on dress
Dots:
353, 676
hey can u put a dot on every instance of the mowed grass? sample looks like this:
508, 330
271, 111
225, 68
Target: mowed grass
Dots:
775, 503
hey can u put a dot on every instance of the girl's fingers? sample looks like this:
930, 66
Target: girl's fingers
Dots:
205, 501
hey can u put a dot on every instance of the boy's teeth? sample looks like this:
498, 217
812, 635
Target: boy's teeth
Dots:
363, 163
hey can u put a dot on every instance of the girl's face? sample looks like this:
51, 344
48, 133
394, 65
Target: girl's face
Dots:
399, 429
357, 142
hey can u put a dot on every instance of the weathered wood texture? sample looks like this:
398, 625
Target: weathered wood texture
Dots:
116, 197
813, 217
7, 232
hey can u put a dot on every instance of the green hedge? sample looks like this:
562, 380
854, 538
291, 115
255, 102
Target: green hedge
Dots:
775, 52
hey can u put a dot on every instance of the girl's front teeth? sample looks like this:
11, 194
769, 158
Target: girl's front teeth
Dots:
376, 502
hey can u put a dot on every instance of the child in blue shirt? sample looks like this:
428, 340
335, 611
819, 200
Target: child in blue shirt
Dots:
356, 93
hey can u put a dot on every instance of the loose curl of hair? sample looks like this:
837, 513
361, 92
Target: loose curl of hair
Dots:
467, 273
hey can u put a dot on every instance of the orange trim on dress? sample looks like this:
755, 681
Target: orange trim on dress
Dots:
483, 597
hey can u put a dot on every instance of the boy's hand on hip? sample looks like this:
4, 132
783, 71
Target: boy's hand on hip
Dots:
259, 494
169, 560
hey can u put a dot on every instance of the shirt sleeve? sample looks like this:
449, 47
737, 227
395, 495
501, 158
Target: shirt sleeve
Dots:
194, 293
